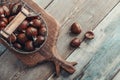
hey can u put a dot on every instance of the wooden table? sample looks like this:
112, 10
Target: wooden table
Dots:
98, 59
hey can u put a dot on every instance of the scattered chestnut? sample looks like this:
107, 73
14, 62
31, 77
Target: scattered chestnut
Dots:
75, 42
17, 46
29, 46
12, 38
6, 10
31, 32
4, 19
11, 18
89, 35
39, 41
36, 23
75, 28
43, 31
23, 25
2, 25
22, 38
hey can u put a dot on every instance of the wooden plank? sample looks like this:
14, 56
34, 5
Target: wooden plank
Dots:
117, 77
98, 59
44, 3
83, 14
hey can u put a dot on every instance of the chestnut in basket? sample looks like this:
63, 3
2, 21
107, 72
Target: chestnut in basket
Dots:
29, 46
42, 30
36, 23
6, 10
4, 19
22, 38
17, 46
12, 38
39, 41
23, 25
1, 12
2, 25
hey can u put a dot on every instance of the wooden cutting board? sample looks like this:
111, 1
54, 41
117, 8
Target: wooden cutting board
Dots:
49, 51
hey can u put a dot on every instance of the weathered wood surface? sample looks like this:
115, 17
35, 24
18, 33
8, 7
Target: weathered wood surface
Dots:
88, 13
99, 59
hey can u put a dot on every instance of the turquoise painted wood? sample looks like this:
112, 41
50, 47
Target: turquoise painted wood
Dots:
98, 59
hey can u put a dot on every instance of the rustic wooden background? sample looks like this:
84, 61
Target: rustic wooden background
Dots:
98, 59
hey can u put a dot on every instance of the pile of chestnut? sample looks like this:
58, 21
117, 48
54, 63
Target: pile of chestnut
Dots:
76, 29
29, 35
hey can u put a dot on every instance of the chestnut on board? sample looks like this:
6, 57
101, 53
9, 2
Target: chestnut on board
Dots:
39, 41
75, 42
89, 35
17, 46
29, 46
75, 28
22, 38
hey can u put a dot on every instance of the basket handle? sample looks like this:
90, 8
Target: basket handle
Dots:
11, 27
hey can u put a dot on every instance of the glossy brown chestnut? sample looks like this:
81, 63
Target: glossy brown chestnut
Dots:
4, 19
22, 38
11, 18
2, 25
23, 25
6, 10
36, 23
29, 46
75, 28
17, 46
39, 41
31, 32
75, 42
42, 31
12, 38
89, 35
1, 11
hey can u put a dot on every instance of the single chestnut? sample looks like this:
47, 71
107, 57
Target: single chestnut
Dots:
6, 10
36, 23
11, 18
2, 25
39, 41
75, 28
23, 25
17, 46
1, 12
43, 31
22, 38
89, 35
4, 19
12, 38
75, 42
29, 46
31, 32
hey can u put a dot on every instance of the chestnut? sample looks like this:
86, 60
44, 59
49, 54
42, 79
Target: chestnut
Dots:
75, 28
23, 25
11, 18
22, 38
5, 20
36, 23
29, 46
75, 42
6, 10
39, 41
17, 46
12, 38
89, 35
1, 12
43, 31
2, 25
31, 32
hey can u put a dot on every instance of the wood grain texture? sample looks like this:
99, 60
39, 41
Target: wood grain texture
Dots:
117, 77
98, 59
81, 13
